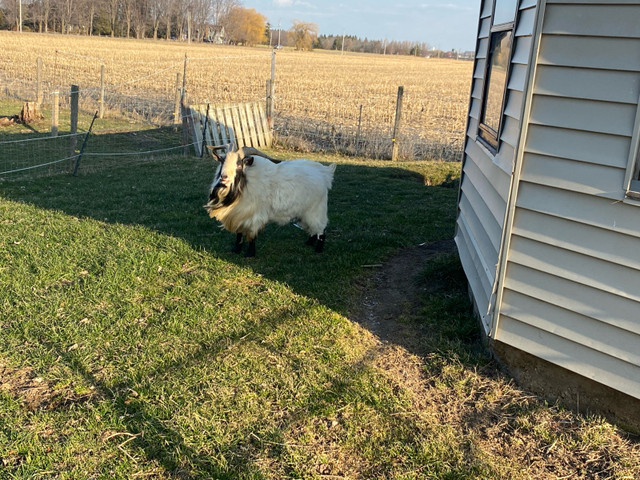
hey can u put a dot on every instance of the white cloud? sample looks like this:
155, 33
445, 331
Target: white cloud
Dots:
283, 3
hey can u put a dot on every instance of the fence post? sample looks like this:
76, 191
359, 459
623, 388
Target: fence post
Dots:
55, 112
269, 111
176, 109
39, 81
358, 133
101, 111
273, 76
185, 124
396, 125
73, 119
183, 110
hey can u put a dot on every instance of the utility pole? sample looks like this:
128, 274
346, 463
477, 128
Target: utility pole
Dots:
20, 24
279, 34
342, 43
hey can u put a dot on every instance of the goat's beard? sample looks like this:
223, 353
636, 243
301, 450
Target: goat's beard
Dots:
221, 196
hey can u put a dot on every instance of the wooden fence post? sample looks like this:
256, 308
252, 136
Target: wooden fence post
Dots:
185, 124
271, 88
269, 111
396, 125
273, 78
39, 81
73, 119
55, 112
358, 132
176, 109
101, 111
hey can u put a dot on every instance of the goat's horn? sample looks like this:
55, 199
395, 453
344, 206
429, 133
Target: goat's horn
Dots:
246, 151
217, 147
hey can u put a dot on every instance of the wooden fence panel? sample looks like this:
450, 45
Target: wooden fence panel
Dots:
240, 125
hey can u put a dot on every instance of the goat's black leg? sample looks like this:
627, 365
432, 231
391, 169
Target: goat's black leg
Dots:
251, 249
237, 247
320, 244
312, 240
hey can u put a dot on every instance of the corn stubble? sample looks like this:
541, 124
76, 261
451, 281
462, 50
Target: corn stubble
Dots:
323, 100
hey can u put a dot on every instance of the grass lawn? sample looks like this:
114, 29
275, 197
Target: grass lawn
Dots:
135, 345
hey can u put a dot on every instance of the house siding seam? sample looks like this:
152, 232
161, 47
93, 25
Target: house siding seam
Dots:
572, 274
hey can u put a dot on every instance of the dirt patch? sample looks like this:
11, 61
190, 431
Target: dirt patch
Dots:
395, 293
34, 391
522, 435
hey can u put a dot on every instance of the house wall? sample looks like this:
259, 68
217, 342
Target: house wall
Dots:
486, 177
571, 288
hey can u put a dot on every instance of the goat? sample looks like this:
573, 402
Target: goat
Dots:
251, 189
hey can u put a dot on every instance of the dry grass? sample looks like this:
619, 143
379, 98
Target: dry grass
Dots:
319, 95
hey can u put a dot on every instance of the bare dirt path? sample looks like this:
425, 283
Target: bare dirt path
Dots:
523, 436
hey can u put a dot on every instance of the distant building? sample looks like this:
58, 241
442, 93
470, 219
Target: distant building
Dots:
215, 34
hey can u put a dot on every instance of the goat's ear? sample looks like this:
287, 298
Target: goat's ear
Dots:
247, 161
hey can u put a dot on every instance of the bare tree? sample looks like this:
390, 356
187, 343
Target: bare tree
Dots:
220, 10
140, 16
85, 13
113, 7
41, 10
168, 11
156, 12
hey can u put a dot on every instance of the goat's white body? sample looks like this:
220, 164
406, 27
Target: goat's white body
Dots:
296, 189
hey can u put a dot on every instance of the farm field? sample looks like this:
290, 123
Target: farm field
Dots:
320, 97
135, 345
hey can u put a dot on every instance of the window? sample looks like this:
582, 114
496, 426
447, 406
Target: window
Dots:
497, 71
633, 190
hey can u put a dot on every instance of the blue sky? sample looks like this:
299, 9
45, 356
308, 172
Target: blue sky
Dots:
445, 24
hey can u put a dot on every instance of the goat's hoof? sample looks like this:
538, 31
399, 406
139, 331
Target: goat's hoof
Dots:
251, 250
311, 241
236, 249
320, 244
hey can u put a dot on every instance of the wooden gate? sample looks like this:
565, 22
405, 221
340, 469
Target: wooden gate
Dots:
242, 124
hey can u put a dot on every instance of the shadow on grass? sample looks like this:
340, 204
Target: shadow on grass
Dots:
373, 212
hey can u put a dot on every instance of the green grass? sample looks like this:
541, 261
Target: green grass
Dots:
113, 141
139, 346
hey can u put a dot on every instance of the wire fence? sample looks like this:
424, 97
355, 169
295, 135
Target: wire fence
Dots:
140, 116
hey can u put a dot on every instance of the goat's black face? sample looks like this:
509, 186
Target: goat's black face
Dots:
228, 182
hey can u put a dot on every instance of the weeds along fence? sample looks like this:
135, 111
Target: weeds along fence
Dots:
139, 117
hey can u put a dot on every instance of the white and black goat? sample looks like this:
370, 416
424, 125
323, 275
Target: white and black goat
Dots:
250, 190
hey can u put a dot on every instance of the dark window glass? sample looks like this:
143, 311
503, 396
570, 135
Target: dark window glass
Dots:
498, 64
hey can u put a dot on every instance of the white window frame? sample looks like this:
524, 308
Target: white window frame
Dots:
633, 168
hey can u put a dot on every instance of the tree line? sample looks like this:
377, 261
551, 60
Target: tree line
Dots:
219, 21
170, 19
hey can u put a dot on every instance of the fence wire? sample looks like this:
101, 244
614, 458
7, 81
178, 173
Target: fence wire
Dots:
140, 115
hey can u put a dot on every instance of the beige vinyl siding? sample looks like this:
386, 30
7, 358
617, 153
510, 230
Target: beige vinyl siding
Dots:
571, 289
486, 177
588, 362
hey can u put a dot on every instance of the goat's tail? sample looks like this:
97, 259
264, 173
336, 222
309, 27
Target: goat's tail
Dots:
332, 169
